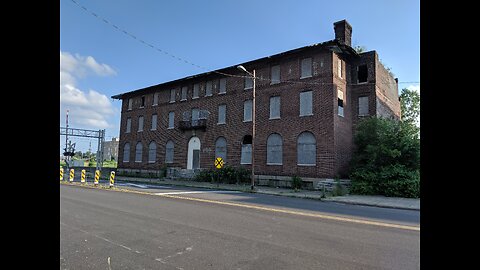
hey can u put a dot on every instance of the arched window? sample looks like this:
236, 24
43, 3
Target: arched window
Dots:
126, 152
169, 152
246, 157
152, 152
138, 152
274, 149
306, 149
221, 148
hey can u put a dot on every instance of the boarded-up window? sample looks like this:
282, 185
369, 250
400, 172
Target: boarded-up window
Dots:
274, 149
195, 116
130, 103
184, 93
306, 103
155, 99
222, 111
275, 74
154, 122
362, 106
339, 66
246, 157
172, 95
306, 149
140, 123
129, 125
196, 90
248, 82
221, 148
306, 68
171, 116
169, 152
126, 152
223, 86
340, 102
247, 111
138, 152
208, 89
274, 107
152, 152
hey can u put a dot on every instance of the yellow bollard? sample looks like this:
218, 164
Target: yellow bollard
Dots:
72, 174
83, 177
97, 176
112, 177
61, 173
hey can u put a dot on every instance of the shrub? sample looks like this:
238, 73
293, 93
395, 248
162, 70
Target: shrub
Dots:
296, 182
227, 174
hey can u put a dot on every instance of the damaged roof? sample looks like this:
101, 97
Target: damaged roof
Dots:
333, 45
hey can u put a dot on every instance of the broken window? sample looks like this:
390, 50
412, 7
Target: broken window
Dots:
340, 102
142, 104
246, 157
362, 74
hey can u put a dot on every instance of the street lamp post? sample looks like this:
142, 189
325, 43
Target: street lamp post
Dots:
240, 67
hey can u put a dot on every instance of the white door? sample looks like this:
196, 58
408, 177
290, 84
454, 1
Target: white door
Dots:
193, 160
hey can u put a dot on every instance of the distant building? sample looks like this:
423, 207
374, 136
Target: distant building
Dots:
110, 149
308, 101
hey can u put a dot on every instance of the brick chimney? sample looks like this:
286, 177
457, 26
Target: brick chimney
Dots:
343, 32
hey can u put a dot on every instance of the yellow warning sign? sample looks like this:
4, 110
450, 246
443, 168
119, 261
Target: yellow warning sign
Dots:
219, 162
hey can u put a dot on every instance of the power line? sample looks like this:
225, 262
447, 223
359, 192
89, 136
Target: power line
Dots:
193, 64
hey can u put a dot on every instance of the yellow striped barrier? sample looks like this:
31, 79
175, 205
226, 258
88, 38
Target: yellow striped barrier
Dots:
97, 176
72, 174
112, 177
82, 180
61, 173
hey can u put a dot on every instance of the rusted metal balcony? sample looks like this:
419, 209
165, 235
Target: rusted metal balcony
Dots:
200, 124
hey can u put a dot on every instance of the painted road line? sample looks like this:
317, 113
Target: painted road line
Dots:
322, 216
196, 192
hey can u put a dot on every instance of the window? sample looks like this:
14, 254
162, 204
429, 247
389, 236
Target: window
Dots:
274, 149
362, 74
171, 117
140, 123
306, 68
222, 111
126, 152
172, 96
306, 149
340, 102
138, 152
130, 102
306, 103
195, 116
362, 106
154, 122
246, 157
142, 103
155, 99
169, 152
248, 82
184, 93
223, 86
275, 107
196, 90
247, 111
221, 148
208, 89
129, 125
339, 66
152, 152
275, 74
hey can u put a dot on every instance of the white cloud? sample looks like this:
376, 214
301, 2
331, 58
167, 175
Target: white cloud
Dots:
87, 109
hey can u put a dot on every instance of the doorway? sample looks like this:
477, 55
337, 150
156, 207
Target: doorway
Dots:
193, 159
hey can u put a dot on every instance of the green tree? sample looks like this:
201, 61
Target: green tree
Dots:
360, 49
410, 106
386, 160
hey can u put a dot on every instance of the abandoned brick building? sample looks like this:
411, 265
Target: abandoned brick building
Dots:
307, 102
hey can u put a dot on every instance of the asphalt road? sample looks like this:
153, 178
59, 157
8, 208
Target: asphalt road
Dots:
191, 228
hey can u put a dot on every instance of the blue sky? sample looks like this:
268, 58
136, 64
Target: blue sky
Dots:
98, 61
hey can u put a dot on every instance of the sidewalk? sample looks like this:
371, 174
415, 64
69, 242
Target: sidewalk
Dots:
378, 201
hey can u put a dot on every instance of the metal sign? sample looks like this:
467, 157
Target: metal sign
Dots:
219, 162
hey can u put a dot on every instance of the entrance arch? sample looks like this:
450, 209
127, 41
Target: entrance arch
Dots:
193, 157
